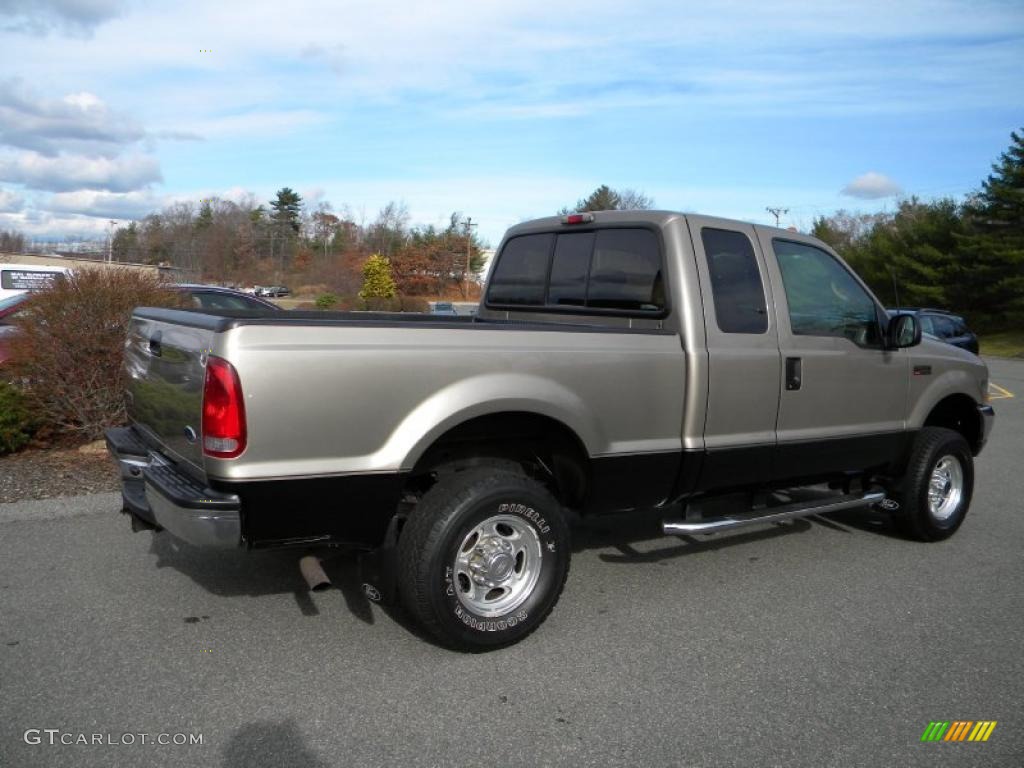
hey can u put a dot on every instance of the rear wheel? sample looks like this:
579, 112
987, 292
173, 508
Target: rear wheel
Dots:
483, 557
935, 492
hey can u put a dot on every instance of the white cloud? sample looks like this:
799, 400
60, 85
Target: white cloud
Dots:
79, 122
70, 172
76, 17
10, 202
871, 186
107, 205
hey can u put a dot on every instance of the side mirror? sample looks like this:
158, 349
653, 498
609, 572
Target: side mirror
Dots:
903, 331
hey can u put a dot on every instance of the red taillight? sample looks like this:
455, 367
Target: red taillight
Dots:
578, 218
223, 411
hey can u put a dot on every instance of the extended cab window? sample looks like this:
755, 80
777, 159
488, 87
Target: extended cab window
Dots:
616, 269
736, 283
824, 298
625, 272
522, 271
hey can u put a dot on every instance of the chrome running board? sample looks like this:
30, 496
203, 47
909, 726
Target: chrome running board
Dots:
771, 515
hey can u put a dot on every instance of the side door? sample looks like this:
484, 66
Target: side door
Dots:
743, 354
842, 396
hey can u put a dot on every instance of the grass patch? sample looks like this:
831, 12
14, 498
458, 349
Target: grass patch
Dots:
1003, 343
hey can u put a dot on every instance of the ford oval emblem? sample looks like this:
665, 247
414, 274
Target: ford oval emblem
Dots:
190, 434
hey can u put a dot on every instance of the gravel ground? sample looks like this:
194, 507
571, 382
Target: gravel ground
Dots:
48, 473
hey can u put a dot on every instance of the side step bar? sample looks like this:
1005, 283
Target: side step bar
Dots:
772, 515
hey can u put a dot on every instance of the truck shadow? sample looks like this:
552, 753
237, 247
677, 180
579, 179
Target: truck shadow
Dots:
241, 573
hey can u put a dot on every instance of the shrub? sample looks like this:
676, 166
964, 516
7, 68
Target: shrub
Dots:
69, 348
16, 421
350, 303
383, 304
378, 282
326, 301
414, 304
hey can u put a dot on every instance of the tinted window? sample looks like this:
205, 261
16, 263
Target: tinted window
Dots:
926, 324
625, 272
944, 327
735, 282
569, 269
522, 271
224, 301
824, 298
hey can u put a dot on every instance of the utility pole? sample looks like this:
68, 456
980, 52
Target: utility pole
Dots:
110, 241
776, 212
469, 249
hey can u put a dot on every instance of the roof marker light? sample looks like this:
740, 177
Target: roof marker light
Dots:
578, 218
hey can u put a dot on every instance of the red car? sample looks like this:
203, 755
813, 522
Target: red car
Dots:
8, 307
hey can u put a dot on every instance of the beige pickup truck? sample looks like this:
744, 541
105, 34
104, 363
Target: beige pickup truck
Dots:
727, 373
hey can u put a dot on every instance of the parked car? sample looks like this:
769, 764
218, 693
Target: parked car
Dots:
210, 297
8, 308
944, 326
273, 291
217, 297
725, 373
443, 308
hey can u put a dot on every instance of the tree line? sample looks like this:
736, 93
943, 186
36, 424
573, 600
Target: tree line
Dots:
246, 242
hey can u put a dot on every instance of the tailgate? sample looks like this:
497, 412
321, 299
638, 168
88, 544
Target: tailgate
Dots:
166, 364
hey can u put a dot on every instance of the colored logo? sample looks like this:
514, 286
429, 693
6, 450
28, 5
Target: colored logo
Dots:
958, 730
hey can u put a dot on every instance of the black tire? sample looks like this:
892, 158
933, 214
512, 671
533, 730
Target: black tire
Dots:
440, 598
915, 517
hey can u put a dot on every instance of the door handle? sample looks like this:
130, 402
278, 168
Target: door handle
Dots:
794, 373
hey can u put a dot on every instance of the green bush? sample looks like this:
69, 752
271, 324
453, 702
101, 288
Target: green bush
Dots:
326, 301
16, 421
378, 282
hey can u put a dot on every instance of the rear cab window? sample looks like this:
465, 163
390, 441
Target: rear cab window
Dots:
617, 270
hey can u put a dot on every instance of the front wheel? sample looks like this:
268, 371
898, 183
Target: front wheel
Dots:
483, 557
936, 489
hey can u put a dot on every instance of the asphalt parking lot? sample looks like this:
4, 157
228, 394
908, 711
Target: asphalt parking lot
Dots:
824, 642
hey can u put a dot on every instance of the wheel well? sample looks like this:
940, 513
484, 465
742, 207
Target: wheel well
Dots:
545, 447
959, 413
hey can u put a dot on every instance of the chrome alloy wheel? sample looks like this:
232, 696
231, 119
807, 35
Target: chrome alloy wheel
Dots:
497, 565
946, 487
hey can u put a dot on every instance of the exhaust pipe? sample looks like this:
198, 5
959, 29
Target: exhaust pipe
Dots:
314, 574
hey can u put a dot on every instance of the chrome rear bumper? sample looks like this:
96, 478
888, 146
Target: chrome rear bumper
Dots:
156, 491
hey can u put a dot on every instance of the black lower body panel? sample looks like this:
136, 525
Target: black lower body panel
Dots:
354, 509
634, 481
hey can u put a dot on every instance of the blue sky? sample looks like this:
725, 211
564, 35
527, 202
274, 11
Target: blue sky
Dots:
502, 111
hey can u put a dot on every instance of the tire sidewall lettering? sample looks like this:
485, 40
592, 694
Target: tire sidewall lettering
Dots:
517, 619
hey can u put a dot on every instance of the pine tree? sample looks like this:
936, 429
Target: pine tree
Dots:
992, 253
377, 280
287, 207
